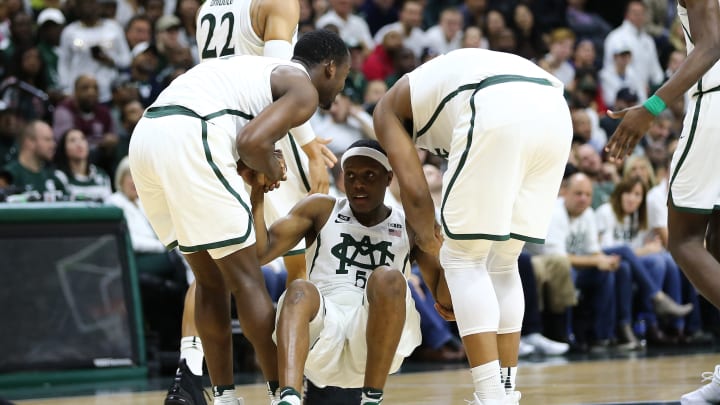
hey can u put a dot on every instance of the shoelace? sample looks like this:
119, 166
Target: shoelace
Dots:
707, 376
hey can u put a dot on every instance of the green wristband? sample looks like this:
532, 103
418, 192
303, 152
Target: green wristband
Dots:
655, 105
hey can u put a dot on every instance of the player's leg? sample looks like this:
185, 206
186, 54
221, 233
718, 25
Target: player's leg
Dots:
243, 278
299, 307
505, 276
386, 294
187, 384
212, 317
686, 242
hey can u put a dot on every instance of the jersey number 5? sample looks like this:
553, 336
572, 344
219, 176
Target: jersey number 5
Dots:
227, 49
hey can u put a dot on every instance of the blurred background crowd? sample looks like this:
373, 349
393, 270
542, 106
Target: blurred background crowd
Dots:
76, 76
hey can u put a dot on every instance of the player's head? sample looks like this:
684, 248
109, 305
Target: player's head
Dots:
328, 61
366, 175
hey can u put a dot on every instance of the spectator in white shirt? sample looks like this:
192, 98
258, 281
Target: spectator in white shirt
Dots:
351, 27
631, 32
446, 36
409, 26
620, 74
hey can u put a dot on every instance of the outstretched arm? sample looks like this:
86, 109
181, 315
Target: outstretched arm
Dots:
390, 112
287, 231
295, 101
704, 17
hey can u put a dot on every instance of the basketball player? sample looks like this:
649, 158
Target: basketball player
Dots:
504, 126
263, 28
354, 321
694, 194
183, 157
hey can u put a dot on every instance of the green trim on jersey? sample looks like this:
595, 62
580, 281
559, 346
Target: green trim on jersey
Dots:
487, 82
172, 245
298, 162
524, 238
294, 252
317, 252
687, 32
164, 111
691, 137
461, 164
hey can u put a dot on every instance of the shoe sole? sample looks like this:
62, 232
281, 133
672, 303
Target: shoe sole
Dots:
179, 401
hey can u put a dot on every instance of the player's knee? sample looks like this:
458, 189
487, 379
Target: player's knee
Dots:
299, 292
387, 283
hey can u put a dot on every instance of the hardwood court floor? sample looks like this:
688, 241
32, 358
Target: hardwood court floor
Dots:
631, 380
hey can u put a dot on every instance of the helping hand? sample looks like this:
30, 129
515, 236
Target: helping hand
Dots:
635, 122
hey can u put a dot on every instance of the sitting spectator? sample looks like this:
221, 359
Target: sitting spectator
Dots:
532, 339
51, 23
379, 64
619, 75
83, 111
82, 180
557, 60
447, 35
143, 72
622, 222
345, 123
24, 89
530, 44
151, 256
408, 25
31, 172
473, 38
10, 127
350, 26
573, 233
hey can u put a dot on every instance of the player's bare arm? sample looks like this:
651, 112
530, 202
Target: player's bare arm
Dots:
704, 17
295, 101
304, 221
390, 113
432, 273
275, 19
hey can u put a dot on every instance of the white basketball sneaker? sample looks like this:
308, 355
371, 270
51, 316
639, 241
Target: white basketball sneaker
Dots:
512, 398
707, 394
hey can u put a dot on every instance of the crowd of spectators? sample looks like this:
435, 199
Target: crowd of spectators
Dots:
76, 76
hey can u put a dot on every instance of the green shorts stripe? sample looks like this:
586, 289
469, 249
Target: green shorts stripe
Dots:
298, 162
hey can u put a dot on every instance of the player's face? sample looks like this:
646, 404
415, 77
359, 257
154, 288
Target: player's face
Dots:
365, 183
334, 83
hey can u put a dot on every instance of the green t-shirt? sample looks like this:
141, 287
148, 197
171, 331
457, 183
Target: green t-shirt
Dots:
27, 180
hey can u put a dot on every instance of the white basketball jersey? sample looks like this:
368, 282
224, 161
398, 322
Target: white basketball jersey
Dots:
225, 91
711, 78
346, 252
224, 27
441, 89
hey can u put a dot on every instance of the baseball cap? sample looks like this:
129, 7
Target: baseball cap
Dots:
167, 22
627, 94
143, 47
51, 15
621, 48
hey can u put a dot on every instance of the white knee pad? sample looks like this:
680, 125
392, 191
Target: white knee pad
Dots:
503, 269
473, 297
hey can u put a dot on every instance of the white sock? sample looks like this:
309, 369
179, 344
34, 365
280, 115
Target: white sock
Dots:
507, 378
224, 396
192, 351
486, 381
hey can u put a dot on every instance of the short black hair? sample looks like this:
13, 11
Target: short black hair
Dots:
319, 46
368, 143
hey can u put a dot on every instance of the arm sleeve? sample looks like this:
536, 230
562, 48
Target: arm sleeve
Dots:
278, 48
303, 134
